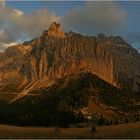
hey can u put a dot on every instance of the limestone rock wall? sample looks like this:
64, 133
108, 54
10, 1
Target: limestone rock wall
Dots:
56, 54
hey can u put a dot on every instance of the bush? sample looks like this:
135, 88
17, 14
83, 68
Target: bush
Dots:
101, 121
116, 122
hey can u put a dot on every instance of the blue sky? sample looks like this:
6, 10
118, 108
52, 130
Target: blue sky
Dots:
133, 12
112, 18
62, 7
59, 7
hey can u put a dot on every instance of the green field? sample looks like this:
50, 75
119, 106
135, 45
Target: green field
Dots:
130, 130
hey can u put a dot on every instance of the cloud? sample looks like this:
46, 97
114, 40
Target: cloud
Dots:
92, 18
96, 17
16, 26
2, 3
6, 45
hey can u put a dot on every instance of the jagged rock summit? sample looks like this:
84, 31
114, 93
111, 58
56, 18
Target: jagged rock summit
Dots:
55, 30
56, 54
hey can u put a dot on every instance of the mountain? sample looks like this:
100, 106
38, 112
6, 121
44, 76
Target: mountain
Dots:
39, 63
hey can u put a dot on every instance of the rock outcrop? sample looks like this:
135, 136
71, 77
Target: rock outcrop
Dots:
56, 54
55, 31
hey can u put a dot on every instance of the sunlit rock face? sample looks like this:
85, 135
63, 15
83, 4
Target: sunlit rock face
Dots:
55, 31
56, 54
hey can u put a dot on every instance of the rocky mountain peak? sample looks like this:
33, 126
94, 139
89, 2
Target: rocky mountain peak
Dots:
55, 30
53, 56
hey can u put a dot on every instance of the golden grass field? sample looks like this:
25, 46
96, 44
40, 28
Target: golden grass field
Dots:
130, 130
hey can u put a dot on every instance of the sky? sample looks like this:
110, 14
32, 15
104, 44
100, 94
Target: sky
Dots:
25, 20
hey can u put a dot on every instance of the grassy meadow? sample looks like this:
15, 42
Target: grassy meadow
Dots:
130, 130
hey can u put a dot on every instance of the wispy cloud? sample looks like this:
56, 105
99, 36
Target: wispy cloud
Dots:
93, 18
2, 3
6, 45
17, 26
96, 17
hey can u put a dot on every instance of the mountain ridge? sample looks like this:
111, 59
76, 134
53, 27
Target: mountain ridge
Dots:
56, 54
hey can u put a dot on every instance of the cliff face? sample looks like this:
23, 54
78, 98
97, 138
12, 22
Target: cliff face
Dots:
56, 54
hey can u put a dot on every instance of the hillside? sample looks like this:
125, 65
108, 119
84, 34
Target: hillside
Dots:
62, 103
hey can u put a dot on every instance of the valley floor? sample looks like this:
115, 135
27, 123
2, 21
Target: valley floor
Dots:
130, 130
